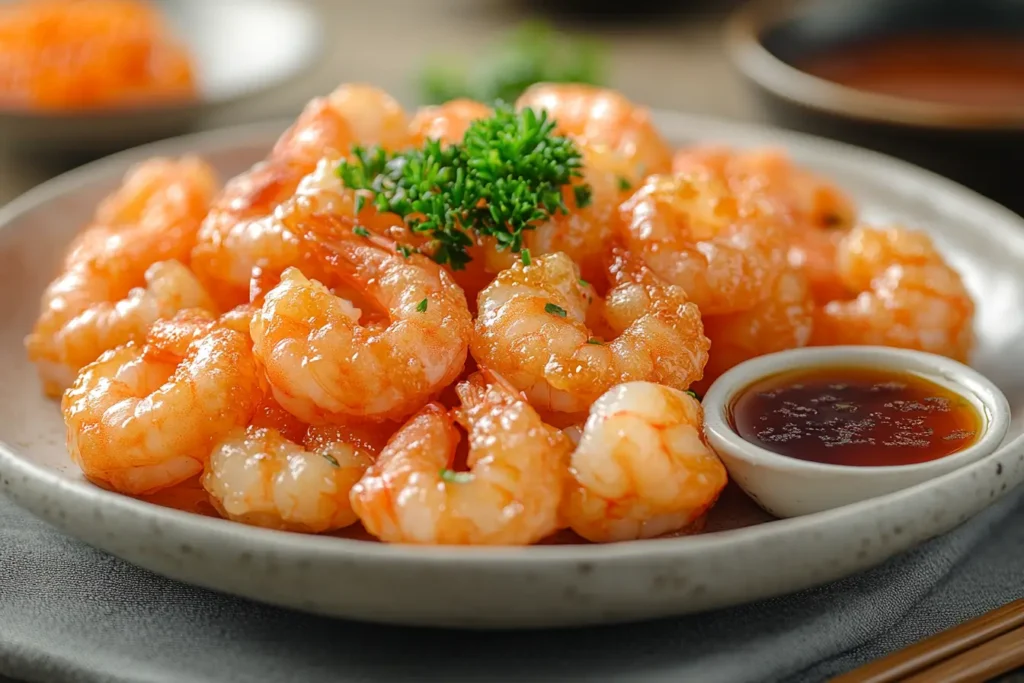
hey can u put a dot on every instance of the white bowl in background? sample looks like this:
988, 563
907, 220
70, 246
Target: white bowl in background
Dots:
240, 48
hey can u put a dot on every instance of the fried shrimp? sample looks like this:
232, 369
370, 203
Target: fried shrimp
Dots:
446, 122
641, 468
153, 216
110, 290
532, 329
817, 212
770, 175
603, 118
902, 294
86, 314
61, 347
693, 231
241, 231
144, 417
373, 116
258, 476
784, 320
584, 233
509, 496
325, 365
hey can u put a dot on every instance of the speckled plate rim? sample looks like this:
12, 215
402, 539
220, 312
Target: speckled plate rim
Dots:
32, 486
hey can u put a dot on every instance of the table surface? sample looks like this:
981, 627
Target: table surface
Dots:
675, 62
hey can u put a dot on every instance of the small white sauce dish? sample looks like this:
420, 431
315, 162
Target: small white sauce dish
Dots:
790, 487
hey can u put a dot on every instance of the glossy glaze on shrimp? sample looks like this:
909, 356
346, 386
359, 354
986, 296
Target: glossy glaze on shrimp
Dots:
446, 122
693, 231
817, 213
641, 468
124, 270
241, 232
600, 117
168, 288
585, 233
509, 496
783, 320
259, 476
143, 417
325, 365
532, 328
902, 294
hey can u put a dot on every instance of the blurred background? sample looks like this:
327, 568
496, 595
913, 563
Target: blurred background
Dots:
256, 60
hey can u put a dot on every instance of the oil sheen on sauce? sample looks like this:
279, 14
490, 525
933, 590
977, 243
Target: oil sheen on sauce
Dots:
982, 71
855, 416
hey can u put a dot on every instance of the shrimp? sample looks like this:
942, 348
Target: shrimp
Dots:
142, 418
325, 365
906, 296
153, 216
447, 122
532, 329
769, 174
585, 233
693, 231
83, 320
509, 496
782, 321
602, 117
375, 117
321, 192
258, 476
641, 468
818, 213
241, 231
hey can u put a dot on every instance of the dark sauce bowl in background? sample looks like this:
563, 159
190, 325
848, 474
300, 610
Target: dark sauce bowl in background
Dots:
974, 135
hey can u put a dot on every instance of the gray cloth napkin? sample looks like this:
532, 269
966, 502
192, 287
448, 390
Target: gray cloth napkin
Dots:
72, 613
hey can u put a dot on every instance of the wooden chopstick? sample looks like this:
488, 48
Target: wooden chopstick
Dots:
979, 664
947, 645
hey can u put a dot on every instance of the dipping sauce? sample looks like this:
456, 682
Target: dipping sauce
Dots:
964, 70
855, 416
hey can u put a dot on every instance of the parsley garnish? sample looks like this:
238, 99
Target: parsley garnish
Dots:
361, 231
404, 249
331, 459
693, 393
584, 194
525, 256
506, 176
453, 477
624, 184
421, 307
583, 283
554, 310
595, 341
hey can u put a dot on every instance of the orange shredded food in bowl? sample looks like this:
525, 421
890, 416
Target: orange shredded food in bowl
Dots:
80, 54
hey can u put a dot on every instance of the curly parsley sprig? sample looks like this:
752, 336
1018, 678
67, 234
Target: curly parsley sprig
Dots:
506, 176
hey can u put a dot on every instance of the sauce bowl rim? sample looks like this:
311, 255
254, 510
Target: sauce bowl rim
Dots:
962, 379
743, 39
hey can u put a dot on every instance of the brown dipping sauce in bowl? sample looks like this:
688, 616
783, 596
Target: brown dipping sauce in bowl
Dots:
947, 69
939, 83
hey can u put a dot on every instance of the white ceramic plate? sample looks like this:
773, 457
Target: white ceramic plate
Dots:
240, 48
744, 557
